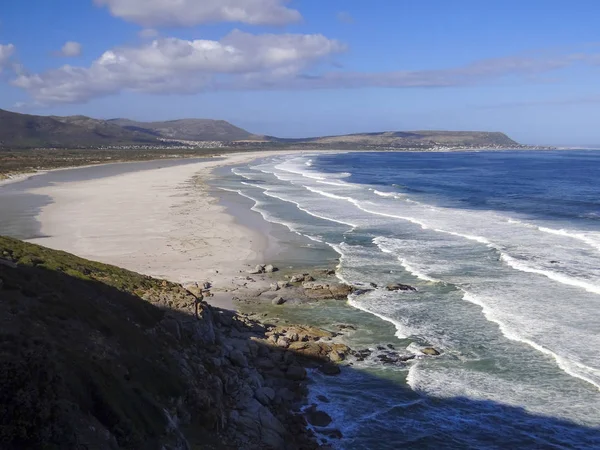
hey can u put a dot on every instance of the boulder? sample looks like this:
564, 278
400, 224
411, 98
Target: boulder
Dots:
238, 358
400, 287
283, 342
336, 357
265, 395
297, 279
258, 269
269, 268
430, 351
283, 284
295, 373
278, 301
317, 418
275, 286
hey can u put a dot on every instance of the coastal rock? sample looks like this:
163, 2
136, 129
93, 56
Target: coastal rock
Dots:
297, 279
295, 373
278, 301
270, 269
336, 357
238, 358
283, 284
321, 291
265, 395
317, 418
330, 369
275, 286
283, 342
258, 269
430, 351
400, 287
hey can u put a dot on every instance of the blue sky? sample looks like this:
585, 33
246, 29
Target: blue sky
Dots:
308, 67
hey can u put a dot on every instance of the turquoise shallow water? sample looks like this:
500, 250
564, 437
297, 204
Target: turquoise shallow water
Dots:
503, 249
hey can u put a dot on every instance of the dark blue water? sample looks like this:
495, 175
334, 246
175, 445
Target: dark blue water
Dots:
504, 249
544, 185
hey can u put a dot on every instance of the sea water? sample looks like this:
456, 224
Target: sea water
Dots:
504, 250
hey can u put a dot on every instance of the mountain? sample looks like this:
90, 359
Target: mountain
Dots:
187, 129
27, 131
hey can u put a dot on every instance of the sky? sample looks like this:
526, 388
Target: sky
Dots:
312, 67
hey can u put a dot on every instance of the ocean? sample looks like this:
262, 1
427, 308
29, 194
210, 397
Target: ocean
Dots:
504, 250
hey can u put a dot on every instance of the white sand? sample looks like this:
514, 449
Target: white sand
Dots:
159, 222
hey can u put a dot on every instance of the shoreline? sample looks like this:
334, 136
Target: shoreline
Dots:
169, 224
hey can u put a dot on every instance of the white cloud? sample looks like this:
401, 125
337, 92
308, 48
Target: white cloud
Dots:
173, 65
148, 33
6, 52
153, 13
71, 49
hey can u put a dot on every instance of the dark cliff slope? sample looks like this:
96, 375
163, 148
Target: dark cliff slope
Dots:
94, 356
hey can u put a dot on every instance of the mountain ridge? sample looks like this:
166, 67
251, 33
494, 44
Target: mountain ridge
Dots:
30, 131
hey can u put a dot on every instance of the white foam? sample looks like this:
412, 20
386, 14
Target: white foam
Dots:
386, 194
558, 277
591, 239
573, 368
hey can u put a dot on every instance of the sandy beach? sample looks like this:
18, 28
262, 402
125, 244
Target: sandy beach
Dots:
160, 222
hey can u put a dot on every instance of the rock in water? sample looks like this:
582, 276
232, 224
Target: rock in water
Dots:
400, 287
297, 279
330, 369
278, 301
430, 351
317, 418
269, 268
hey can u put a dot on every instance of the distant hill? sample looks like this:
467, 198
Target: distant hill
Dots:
187, 129
412, 139
27, 131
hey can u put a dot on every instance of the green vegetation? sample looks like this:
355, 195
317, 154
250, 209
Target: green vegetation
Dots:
29, 161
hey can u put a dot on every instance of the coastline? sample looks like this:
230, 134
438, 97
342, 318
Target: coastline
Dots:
174, 202
169, 223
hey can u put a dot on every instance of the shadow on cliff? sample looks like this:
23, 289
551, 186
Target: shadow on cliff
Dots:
98, 357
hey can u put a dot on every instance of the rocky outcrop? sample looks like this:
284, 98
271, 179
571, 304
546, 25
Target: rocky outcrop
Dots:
98, 357
324, 290
263, 268
400, 287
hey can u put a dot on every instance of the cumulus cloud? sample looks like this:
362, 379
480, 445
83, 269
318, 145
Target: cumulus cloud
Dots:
173, 65
6, 52
148, 33
71, 49
185, 13
243, 61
